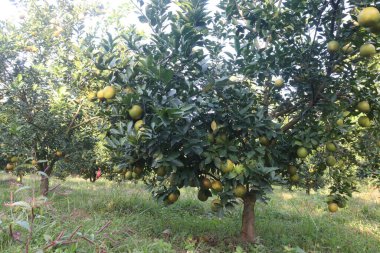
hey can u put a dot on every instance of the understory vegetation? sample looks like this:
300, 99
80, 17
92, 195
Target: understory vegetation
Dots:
290, 222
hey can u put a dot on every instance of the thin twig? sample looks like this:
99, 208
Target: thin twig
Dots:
52, 189
74, 232
104, 227
88, 240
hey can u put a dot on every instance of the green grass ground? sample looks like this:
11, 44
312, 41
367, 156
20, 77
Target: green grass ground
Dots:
139, 224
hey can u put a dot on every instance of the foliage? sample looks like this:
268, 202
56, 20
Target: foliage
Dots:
205, 82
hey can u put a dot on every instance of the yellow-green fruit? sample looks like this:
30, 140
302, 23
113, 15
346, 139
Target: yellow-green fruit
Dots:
364, 121
109, 92
217, 186
135, 175
279, 82
138, 170
128, 90
340, 122
292, 170
100, 94
59, 153
210, 137
368, 17
14, 159
138, 124
216, 204
333, 207
240, 191
338, 69
206, 183
161, 171
32, 49
128, 175
367, 50
116, 170
299, 78
348, 48
346, 113
364, 106
173, 197
202, 196
330, 160
136, 112
330, 147
302, 152
34, 162
295, 178
214, 126
10, 166
91, 95
228, 167
333, 46
239, 169
264, 141
58, 31
207, 87
220, 139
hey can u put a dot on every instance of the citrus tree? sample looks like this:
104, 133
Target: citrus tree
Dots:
247, 96
44, 70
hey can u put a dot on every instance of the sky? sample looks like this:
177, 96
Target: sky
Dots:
9, 11
6, 9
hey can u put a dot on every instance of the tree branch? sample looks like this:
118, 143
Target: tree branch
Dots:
83, 123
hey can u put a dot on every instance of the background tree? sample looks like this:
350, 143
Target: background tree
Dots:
43, 72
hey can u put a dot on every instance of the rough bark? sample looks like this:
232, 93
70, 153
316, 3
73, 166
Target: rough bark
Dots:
248, 218
92, 178
44, 184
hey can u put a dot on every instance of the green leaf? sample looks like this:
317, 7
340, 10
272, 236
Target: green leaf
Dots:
177, 163
166, 75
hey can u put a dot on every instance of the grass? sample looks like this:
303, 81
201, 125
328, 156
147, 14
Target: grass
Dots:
140, 224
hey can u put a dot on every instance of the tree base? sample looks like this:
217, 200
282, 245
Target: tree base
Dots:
248, 219
44, 186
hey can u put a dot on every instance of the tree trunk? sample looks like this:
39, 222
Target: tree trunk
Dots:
248, 219
44, 184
